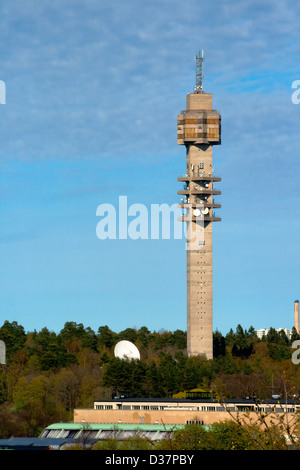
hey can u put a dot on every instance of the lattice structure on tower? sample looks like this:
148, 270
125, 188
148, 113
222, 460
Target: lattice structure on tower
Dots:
199, 72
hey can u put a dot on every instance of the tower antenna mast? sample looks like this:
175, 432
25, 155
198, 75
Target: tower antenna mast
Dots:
199, 72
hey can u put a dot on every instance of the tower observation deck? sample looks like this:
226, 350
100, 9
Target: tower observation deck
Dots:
199, 128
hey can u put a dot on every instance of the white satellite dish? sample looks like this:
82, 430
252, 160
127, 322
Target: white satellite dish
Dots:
205, 211
126, 350
197, 212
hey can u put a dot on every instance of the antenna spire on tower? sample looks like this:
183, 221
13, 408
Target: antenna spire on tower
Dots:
199, 72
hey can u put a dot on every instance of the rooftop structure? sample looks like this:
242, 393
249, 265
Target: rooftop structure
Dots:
102, 431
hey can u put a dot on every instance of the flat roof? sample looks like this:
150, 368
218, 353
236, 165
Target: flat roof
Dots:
241, 401
35, 443
88, 426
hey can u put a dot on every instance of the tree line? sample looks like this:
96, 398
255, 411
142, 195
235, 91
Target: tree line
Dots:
48, 374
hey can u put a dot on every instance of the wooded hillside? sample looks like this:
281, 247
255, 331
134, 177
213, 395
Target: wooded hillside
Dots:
49, 374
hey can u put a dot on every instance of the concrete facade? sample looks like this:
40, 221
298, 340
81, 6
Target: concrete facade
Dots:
176, 412
199, 128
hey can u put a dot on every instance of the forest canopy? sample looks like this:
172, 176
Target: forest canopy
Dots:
48, 374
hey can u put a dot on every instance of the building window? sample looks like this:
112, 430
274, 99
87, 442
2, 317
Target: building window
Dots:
194, 421
99, 407
108, 407
245, 409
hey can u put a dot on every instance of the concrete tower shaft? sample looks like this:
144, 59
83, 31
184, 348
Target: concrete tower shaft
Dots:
198, 128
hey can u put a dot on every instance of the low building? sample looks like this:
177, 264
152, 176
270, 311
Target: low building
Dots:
38, 443
81, 431
154, 419
172, 411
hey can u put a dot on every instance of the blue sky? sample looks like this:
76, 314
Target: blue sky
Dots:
93, 89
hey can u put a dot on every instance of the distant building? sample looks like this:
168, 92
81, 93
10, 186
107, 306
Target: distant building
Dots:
296, 315
80, 431
264, 331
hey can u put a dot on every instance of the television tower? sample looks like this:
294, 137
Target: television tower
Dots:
199, 128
